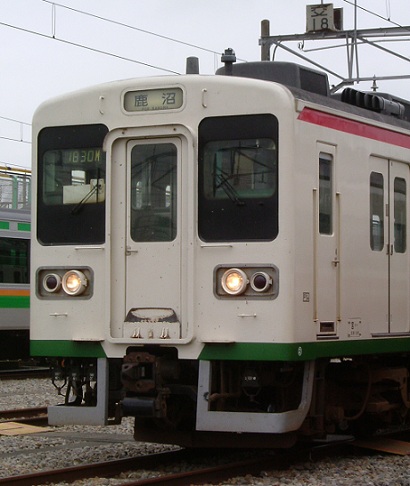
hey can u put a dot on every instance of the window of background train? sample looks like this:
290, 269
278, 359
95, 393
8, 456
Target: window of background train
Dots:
14, 260
154, 192
325, 194
376, 211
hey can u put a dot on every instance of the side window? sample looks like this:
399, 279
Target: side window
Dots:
399, 215
376, 211
325, 194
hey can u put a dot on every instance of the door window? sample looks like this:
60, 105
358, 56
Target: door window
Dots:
325, 194
376, 211
154, 192
399, 215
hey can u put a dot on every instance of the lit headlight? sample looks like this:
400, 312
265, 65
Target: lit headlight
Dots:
52, 282
234, 281
260, 282
74, 282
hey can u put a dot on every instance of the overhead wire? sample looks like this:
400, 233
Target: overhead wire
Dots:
375, 14
14, 139
93, 49
13, 120
128, 26
21, 123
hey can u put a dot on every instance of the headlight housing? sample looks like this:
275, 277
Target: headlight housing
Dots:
74, 282
52, 282
234, 281
246, 281
63, 282
260, 281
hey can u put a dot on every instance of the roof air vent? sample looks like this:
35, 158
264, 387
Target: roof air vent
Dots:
373, 102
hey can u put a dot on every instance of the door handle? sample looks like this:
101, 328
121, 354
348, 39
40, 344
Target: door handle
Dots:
129, 252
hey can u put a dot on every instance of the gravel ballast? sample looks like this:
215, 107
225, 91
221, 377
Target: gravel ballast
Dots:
66, 446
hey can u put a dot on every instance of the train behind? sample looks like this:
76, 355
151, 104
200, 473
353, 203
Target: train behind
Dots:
15, 227
224, 258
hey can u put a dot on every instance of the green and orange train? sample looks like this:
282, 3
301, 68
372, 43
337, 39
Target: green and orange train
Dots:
14, 283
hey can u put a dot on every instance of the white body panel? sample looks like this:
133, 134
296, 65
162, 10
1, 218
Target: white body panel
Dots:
322, 278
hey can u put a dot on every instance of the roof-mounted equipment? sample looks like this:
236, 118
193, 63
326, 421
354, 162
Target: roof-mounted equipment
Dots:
373, 102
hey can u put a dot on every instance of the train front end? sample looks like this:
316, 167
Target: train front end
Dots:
162, 284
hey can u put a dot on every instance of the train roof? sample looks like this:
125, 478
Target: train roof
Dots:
336, 103
313, 86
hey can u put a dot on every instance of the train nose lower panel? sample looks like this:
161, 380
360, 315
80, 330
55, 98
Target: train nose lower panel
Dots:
219, 396
235, 398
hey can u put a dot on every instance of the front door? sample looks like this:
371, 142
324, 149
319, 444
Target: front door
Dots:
153, 239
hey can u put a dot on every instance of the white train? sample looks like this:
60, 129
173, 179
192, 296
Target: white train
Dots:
224, 257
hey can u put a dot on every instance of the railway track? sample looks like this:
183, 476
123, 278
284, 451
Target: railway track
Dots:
24, 373
154, 461
228, 464
226, 469
32, 416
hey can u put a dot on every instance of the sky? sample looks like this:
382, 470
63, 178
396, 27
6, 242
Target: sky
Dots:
50, 48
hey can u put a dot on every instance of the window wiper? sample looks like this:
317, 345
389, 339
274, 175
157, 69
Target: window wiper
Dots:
229, 190
77, 208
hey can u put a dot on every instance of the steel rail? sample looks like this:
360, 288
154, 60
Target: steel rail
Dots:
211, 475
37, 415
102, 469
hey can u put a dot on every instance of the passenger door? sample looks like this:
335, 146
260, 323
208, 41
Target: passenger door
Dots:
326, 242
389, 267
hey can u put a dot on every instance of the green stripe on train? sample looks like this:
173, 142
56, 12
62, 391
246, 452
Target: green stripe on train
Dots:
5, 225
303, 351
23, 226
14, 302
67, 349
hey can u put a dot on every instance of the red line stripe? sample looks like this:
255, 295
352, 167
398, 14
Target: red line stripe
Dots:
354, 127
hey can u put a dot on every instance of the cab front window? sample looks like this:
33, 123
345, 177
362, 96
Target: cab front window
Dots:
238, 170
71, 185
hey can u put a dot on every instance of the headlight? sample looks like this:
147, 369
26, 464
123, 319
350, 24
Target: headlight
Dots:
234, 281
74, 282
52, 282
260, 282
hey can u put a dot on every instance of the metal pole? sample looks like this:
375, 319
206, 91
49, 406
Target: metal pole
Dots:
265, 32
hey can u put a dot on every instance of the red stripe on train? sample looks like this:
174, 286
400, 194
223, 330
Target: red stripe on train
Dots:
354, 127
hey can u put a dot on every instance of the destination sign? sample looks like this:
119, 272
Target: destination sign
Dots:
153, 99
